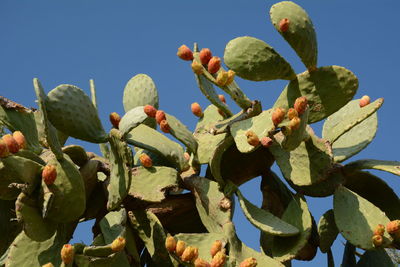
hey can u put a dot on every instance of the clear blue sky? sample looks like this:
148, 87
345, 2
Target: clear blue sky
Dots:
111, 41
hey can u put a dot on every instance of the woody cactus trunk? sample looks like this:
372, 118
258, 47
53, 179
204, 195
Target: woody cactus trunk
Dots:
150, 204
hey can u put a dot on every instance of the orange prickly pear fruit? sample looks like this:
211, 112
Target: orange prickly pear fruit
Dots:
266, 141
115, 119
252, 138
249, 262
3, 149
292, 113
196, 110
118, 244
300, 104
145, 160
219, 259
48, 265
222, 78
222, 98
294, 123
189, 254
215, 247
205, 56
11, 143
365, 100
164, 126
278, 115
201, 263
20, 139
214, 65
180, 247
377, 240
185, 53
284, 25
49, 174
150, 111
160, 116
393, 228
170, 243
379, 229
197, 67
67, 253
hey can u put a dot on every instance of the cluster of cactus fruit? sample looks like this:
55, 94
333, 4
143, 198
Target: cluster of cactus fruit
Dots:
135, 190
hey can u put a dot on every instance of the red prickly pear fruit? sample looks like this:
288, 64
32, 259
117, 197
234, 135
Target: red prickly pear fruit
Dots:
300, 105
214, 65
197, 68
11, 143
284, 25
20, 139
393, 228
49, 174
377, 240
249, 262
185, 53
231, 77
150, 111
164, 126
219, 259
215, 247
160, 116
115, 119
222, 98
222, 78
205, 56
196, 110
199, 262
118, 244
48, 265
3, 149
266, 141
67, 253
170, 243
252, 138
189, 254
145, 160
379, 229
292, 113
365, 100
180, 247
278, 115
294, 123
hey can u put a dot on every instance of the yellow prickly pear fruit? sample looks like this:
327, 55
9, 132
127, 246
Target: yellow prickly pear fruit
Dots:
20, 139
294, 123
190, 254
185, 53
67, 253
180, 247
48, 265
170, 243
145, 160
292, 113
118, 244
393, 228
222, 78
215, 247
379, 229
377, 240
201, 263
231, 77
197, 67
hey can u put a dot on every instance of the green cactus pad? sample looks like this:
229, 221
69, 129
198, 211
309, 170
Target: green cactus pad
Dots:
261, 125
120, 175
71, 111
151, 184
202, 241
298, 215
327, 231
376, 191
69, 191
157, 159
62, 138
382, 165
363, 215
347, 117
150, 230
208, 198
181, 132
140, 91
9, 228
30, 155
253, 59
264, 220
217, 157
300, 34
6, 178
150, 139
294, 139
238, 251
355, 140
378, 257
327, 89
76, 153
210, 117
132, 119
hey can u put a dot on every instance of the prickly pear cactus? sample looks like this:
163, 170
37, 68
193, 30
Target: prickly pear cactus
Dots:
151, 203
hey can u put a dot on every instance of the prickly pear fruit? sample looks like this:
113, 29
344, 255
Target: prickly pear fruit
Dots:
48, 265
222, 78
379, 229
252, 138
215, 247
249, 262
365, 100
170, 243
3, 149
205, 56
20, 139
196, 110
225, 203
197, 67
199, 262
150, 111
145, 160
115, 119
160, 116
118, 244
185, 53
164, 126
377, 240
266, 141
189, 254
278, 115
187, 156
214, 64
292, 113
231, 77
11, 143
49, 174
294, 123
67, 253
180, 247
393, 228
300, 105
219, 259
222, 98
284, 25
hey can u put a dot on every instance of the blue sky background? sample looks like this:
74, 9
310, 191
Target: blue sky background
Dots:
111, 41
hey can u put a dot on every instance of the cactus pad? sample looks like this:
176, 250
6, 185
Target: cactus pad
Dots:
140, 91
132, 119
181, 132
382, 165
327, 231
